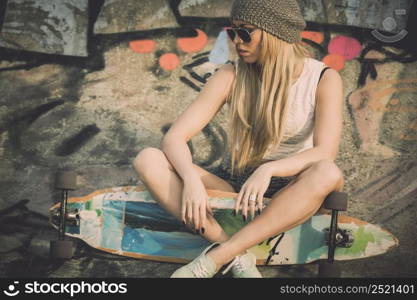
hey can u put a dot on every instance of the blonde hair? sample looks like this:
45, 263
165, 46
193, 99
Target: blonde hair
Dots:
259, 100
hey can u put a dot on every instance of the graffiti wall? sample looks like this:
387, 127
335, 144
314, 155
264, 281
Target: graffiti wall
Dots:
85, 85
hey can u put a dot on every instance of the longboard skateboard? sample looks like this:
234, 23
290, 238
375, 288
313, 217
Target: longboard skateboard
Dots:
127, 221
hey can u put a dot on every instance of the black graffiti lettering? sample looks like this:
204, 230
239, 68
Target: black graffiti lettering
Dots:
37, 112
201, 59
190, 83
196, 63
273, 250
75, 142
217, 137
201, 54
198, 77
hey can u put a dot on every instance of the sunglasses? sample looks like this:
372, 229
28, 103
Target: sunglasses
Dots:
242, 33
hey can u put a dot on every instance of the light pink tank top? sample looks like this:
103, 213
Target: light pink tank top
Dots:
298, 134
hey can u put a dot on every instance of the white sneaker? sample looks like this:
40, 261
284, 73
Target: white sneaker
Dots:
201, 267
244, 266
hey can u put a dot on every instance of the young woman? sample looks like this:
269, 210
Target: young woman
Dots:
284, 135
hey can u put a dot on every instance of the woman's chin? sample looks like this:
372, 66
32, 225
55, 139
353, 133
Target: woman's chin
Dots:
248, 59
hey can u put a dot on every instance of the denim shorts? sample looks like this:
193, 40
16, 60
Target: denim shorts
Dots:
237, 181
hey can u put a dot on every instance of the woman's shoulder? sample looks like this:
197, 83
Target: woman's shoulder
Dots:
229, 67
225, 76
316, 69
226, 70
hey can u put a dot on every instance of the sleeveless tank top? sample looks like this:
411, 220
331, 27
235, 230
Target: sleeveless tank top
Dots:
298, 133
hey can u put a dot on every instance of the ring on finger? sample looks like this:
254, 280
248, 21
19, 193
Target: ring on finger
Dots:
252, 197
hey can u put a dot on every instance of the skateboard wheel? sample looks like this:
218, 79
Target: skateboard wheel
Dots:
61, 249
329, 270
66, 180
337, 201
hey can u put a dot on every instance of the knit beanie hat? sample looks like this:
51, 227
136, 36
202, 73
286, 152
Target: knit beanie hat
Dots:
281, 18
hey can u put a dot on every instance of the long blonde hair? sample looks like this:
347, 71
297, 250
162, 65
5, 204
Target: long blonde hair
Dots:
259, 100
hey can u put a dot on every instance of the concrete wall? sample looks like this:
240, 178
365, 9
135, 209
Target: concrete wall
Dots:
145, 65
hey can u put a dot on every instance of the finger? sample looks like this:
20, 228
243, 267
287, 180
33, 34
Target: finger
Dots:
196, 216
245, 205
239, 200
209, 209
260, 202
189, 212
252, 207
203, 217
183, 212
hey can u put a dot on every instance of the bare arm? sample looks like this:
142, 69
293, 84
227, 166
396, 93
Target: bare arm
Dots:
327, 129
194, 119
174, 144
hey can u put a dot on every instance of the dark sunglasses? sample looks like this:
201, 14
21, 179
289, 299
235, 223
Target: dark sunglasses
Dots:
242, 33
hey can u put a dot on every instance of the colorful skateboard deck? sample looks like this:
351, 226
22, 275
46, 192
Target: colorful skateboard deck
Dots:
127, 221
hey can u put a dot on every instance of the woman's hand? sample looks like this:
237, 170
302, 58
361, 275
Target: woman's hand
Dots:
256, 184
194, 205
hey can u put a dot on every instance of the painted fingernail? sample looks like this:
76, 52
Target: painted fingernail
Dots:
183, 223
259, 211
234, 213
202, 230
244, 218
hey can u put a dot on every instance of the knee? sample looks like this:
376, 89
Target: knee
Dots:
327, 176
146, 157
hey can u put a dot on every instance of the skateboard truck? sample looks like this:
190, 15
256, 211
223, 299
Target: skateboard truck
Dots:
61, 248
336, 201
344, 237
71, 217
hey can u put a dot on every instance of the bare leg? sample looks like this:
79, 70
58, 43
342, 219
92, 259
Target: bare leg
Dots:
164, 184
290, 206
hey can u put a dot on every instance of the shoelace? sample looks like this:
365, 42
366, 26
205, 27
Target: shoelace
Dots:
199, 270
239, 265
233, 263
